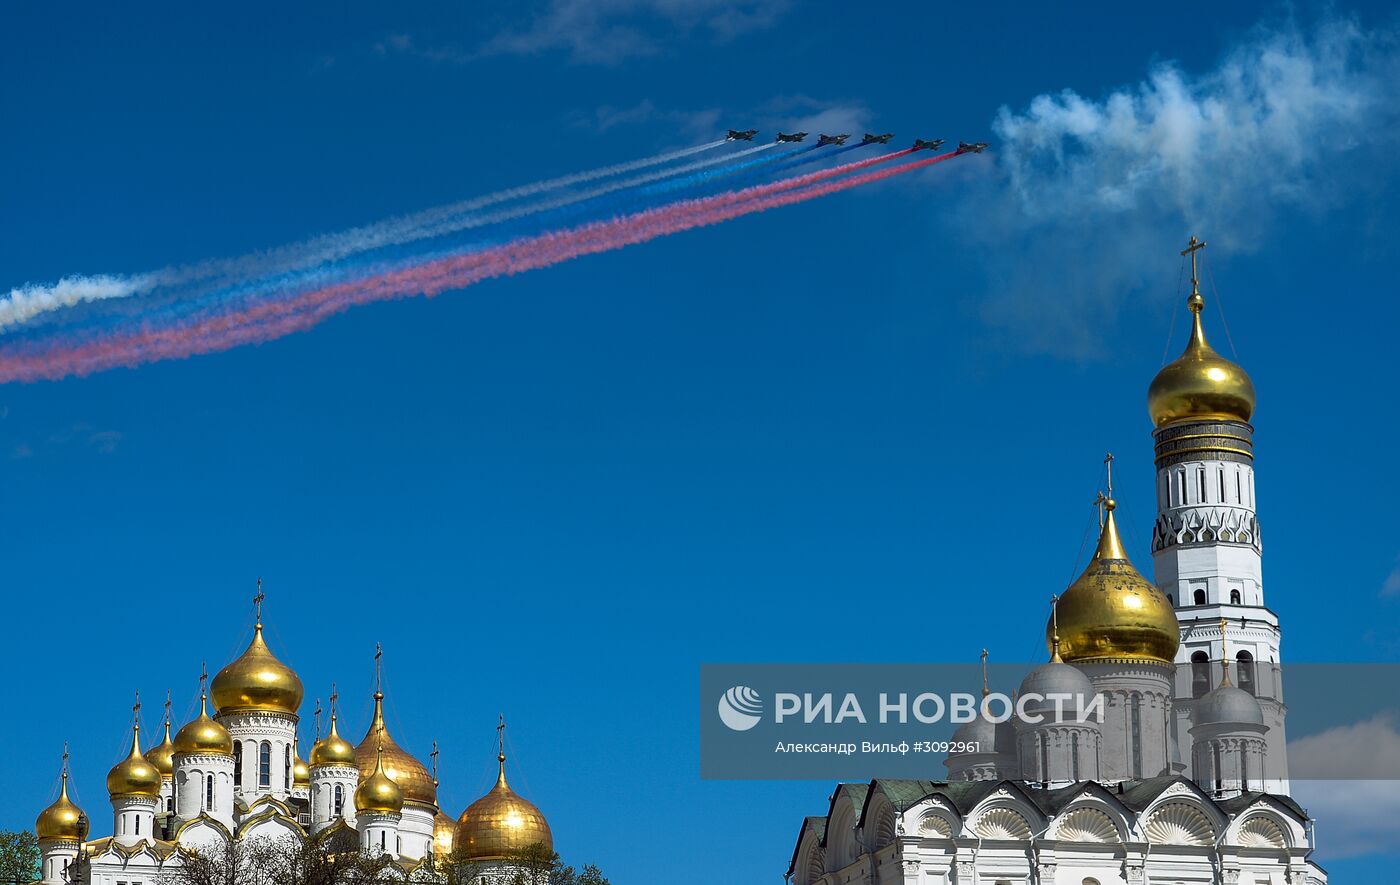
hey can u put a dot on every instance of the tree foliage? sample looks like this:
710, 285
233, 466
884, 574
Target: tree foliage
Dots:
19, 856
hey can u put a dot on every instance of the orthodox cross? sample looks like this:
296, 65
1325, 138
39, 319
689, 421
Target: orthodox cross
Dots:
136, 712
986, 690
1098, 505
1191, 249
257, 603
318, 720
167, 708
434, 755
501, 738
1108, 466
335, 696
65, 760
203, 678
378, 667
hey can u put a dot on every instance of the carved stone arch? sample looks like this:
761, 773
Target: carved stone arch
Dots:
1087, 824
841, 837
1180, 823
1262, 830
883, 830
812, 865
1002, 822
936, 823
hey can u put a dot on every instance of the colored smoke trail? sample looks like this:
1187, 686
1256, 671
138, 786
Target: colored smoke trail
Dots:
25, 303
303, 310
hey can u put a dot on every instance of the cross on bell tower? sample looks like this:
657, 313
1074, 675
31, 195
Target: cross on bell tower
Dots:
257, 604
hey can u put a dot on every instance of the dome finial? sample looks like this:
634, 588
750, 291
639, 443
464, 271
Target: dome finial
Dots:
434, 756
1195, 302
257, 606
1055, 627
986, 688
501, 751
1224, 655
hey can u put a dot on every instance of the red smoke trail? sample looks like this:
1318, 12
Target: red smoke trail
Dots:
271, 320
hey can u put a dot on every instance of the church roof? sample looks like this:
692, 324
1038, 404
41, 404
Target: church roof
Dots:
816, 825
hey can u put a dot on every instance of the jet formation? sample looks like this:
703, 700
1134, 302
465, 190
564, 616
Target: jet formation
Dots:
920, 144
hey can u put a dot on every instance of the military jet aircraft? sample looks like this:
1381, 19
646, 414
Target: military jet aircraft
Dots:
976, 147
920, 144
831, 139
877, 139
784, 138
741, 134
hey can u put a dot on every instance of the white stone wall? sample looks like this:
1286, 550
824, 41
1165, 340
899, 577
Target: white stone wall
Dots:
249, 732
191, 788
324, 780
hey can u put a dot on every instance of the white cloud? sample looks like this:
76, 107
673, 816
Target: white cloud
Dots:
1391, 587
1353, 816
610, 31
1088, 196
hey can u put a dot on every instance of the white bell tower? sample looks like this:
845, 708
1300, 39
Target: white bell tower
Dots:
1206, 549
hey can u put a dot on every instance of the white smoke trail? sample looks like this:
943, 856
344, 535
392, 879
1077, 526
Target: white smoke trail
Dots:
25, 303
1091, 195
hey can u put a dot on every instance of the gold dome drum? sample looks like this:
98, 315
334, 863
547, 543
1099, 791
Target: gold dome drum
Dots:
63, 819
1200, 385
500, 824
1111, 612
415, 781
134, 775
257, 682
203, 736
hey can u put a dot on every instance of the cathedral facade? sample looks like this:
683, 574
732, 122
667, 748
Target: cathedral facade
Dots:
1184, 776
238, 775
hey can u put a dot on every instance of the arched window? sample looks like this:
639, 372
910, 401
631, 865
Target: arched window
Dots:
1200, 674
287, 767
170, 802
1234, 597
383, 840
209, 792
265, 764
138, 823
1200, 596
1245, 664
339, 800
238, 763
1171, 599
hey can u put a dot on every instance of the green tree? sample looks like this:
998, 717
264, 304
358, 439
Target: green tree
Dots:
19, 857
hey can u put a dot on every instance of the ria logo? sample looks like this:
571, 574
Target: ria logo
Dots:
740, 708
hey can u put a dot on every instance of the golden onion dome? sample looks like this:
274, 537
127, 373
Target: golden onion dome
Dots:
301, 772
63, 819
257, 681
444, 827
500, 823
1113, 612
417, 784
203, 736
378, 794
162, 756
332, 749
1200, 384
134, 776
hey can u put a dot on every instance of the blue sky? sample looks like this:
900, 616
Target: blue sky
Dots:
865, 428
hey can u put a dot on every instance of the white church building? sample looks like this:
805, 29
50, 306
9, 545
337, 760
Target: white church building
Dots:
1185, 778
238, 775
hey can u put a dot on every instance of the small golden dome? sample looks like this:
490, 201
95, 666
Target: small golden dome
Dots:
1113, 612
332, 749
378, 794
63, 819
162, 755
301, 772
500, 823
203, 736
134, 776
415, 781
257, 681
1200, 384
444, 827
